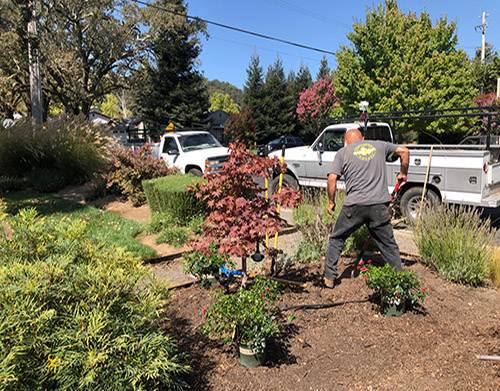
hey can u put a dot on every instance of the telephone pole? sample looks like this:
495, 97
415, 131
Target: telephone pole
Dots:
483, 28
34, 67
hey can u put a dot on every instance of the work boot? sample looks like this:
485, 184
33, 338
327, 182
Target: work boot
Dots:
329, 283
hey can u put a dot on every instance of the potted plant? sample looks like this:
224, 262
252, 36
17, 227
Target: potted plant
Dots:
247, 318
205, 263
398, 289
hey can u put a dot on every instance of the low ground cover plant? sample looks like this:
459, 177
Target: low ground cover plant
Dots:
246, 316
455, 241
68, 151
76, 314
394, 286
175, 236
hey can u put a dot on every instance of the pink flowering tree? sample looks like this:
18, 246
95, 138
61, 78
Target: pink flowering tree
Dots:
317, 102
485, 100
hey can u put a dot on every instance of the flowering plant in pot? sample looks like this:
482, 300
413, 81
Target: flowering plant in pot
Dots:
205, 264
247, 317
397, 288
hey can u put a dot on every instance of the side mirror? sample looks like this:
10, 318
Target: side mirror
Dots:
321, 148
173, 152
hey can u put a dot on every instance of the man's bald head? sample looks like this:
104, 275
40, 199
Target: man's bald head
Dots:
353, 135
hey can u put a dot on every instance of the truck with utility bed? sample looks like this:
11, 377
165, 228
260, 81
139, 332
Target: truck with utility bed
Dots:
461, 174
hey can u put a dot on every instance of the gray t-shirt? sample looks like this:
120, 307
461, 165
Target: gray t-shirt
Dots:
362, 166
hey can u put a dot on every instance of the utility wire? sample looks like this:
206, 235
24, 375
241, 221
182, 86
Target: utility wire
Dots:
234, 28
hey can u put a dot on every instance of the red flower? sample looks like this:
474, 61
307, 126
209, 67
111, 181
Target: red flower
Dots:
204, 311
267, 289
262, 294
423, 289
362, 263
369, 261
364, 269
359, 267
366, 278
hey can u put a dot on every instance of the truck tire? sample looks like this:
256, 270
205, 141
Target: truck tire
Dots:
288, 181
196, 172
410, 201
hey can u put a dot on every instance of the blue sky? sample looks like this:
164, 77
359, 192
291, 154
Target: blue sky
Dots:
322, 24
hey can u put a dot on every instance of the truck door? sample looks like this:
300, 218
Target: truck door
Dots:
326, 147
170, 151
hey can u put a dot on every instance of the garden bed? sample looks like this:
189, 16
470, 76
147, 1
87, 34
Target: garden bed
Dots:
352, 346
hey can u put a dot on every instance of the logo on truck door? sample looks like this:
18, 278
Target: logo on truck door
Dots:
365, 152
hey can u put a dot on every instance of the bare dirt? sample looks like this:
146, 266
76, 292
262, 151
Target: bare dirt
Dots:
351, 346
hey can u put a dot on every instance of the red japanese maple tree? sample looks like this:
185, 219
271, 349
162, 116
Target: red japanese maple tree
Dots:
240, 213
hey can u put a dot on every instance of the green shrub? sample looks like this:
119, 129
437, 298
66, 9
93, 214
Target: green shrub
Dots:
168, 196
12, 183
46, 180
78, 315
309, 252
158, 222
128, 169
72, 147
175, 236
455, 241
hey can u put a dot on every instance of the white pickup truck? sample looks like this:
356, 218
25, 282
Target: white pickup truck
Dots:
192, 151
458, 173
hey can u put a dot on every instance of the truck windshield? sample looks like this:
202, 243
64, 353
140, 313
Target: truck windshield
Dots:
198, 141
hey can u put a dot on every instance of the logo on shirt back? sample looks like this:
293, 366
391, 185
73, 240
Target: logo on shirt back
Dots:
365, 151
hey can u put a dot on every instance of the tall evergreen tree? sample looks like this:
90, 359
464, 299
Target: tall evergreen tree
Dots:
279, 117
172, 89
324, 69
297, 84
253, 95
486, 73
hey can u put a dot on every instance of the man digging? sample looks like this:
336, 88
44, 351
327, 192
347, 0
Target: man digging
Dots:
361, 163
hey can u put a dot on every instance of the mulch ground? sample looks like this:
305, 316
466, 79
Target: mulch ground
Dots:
353, 346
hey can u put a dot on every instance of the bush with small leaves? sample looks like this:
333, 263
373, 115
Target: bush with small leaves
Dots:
78, 315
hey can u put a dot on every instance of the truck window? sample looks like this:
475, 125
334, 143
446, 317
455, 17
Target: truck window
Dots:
169, 145
198, 141
378, 133
334, 140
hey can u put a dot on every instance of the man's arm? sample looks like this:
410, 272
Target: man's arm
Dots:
404, 155
331, 188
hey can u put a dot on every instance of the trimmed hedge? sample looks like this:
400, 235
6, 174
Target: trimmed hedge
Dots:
168, 195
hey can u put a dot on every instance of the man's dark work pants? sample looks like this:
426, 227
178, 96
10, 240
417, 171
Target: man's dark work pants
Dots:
378, 220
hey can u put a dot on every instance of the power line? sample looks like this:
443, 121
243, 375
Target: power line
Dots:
235, 28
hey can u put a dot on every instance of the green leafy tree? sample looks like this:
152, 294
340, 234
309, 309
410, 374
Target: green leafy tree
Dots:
253, 94
234, 92
170, 88
221, 101
399, 61
84, 48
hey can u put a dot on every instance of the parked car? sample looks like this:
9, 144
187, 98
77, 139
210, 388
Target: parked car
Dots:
287, 141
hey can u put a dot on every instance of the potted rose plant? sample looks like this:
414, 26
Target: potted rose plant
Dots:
398, 289
205, 263
247, 318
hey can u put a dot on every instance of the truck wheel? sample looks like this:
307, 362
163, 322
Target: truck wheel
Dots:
288, 181
411, 199
196, 172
